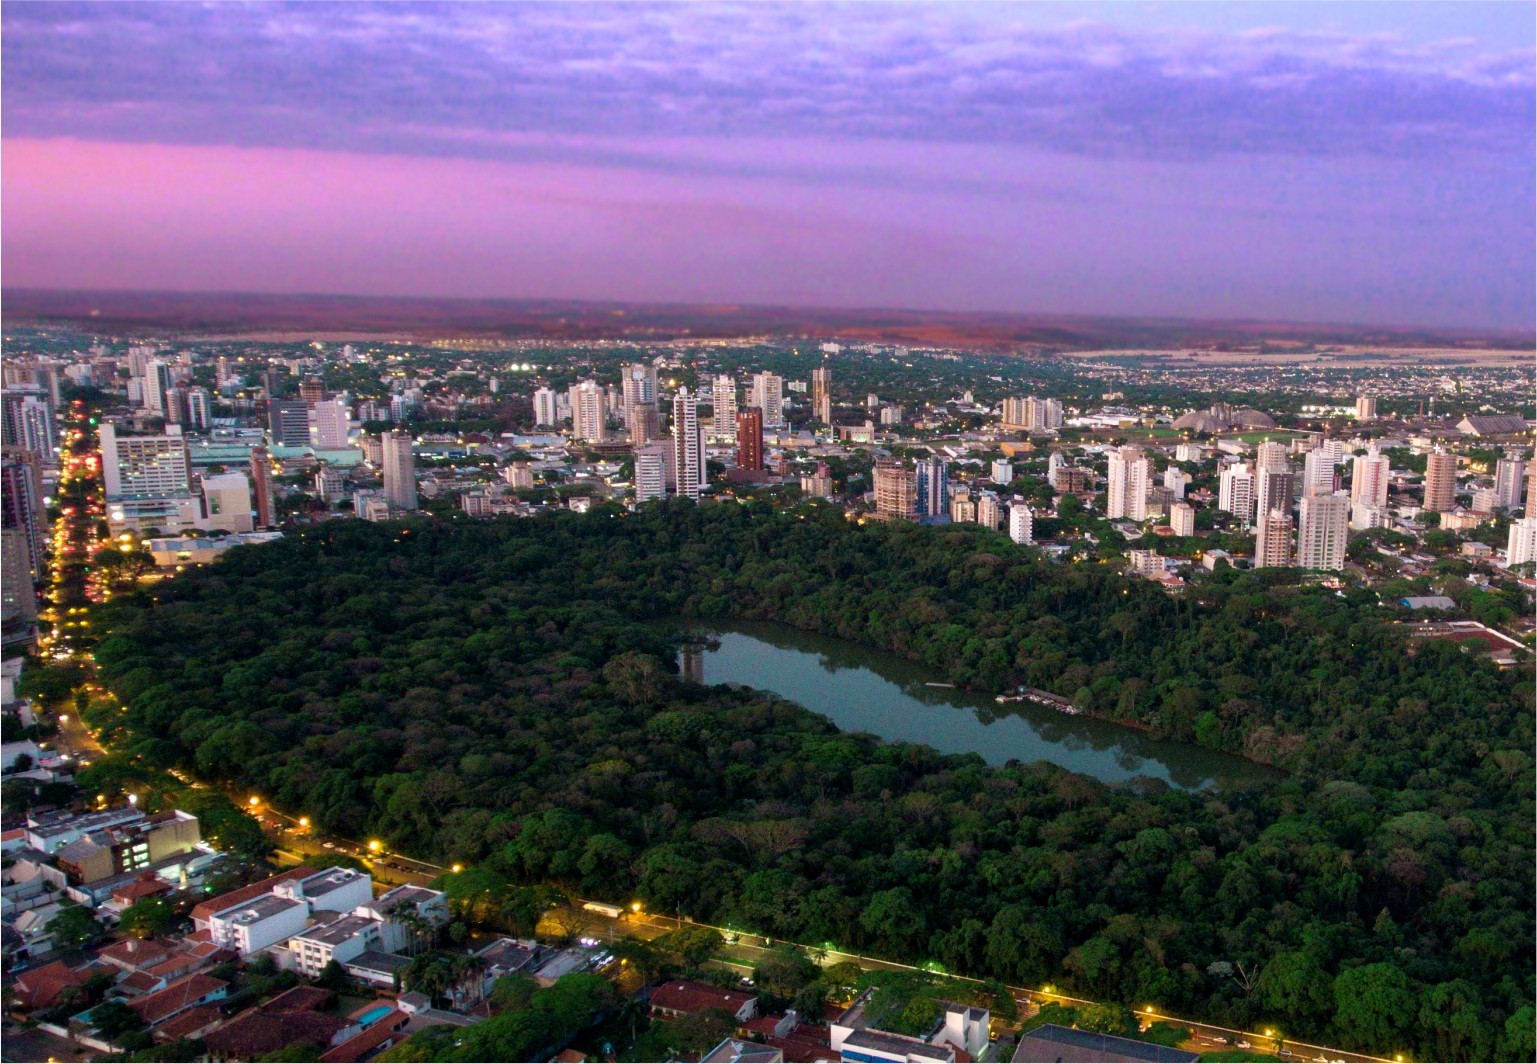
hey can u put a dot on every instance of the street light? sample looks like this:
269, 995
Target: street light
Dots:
304, 822
254, 801
373, 845
456, 869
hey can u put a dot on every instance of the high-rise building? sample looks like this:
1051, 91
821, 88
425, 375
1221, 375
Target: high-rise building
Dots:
688, 445
1273, 539
725, 424
1522, 545
1176, 480
1054, 463
288, 423
933, 487
1235, 493
199, 410
588, 412
1271, 455
1318, 476
545, 412
1021, 523
519, 474
1273, 490
28, 423
1508, 482
1031, 414
896, 489
1366, 408
638, 400
1182, 519
1127, 493
1369, 477
1003, 471
18, 595
990, 511
227, 502
330, 421
818, 485
157, 382
312, 390
21, 504
1440, 481
261, 487
1322, 529
749, 438
399, 470
822, 394
767, 394
651, 472
145, 467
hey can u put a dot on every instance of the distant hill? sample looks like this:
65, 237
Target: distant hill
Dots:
232, 313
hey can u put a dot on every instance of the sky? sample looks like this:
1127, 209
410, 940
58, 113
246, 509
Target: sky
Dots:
1353, 163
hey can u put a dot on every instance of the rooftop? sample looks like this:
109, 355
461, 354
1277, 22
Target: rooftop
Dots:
337, 931
1053, 1043
259, 908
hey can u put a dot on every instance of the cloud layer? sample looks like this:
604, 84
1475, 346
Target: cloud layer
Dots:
452, 79
943, 156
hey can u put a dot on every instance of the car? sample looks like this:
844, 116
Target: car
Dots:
1244, 1045
330, 845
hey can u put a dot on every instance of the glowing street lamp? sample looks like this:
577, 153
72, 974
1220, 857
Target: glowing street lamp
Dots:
304, 822
373, 846
456, 869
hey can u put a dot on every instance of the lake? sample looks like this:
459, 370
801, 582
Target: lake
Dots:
877, 692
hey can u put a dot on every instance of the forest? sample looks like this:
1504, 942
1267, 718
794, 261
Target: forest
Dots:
504, 694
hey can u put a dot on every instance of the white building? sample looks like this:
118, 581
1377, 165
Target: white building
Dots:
1129, 472
1021, 524
227, 502
330, 421
688, 445
1176, 480
399, 470
1509, 474
588, 412
1271, 455
1003, 471
1522, 546
1235, 493
1273, 539
145, 467
254, 925
1323, 526
1182, 519
1318, 472
767, 394
651, 472
723, 420
545, 408
1366, 408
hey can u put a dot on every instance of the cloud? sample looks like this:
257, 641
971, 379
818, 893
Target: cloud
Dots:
476, 79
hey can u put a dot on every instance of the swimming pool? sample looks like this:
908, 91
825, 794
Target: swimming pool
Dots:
375, 1014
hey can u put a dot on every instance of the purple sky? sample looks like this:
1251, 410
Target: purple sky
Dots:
1370, 163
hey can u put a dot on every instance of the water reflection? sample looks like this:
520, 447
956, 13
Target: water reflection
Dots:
865, 690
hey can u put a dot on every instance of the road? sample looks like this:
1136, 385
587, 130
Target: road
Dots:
748, 949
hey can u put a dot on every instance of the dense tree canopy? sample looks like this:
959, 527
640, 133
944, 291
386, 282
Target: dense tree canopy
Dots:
502, 693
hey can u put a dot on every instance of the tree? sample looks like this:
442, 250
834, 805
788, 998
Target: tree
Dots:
147, 917
73, 927
113, 1019
636, 678
1374, 1006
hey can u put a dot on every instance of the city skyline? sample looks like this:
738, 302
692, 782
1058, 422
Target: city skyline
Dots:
1366, 163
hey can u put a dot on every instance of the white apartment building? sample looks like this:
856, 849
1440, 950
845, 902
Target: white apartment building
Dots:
1323, 526
1129, 472
1235, 493
1021, 524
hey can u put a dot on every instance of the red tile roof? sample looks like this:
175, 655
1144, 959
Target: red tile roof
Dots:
371, 1038
190, 1024
689, 997
133, 954
258, 1031
207, 909
178, 997
140, 888
40, 988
